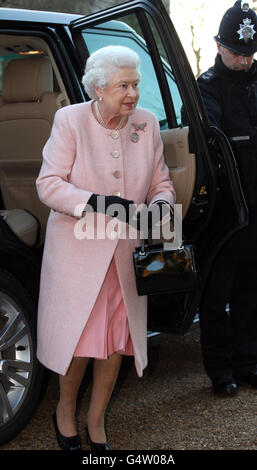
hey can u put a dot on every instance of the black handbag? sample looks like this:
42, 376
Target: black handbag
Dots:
164, 271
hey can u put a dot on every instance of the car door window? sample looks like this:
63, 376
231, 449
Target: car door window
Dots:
172, 83
126, 31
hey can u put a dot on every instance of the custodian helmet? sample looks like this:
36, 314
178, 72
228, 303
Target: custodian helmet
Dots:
238, 29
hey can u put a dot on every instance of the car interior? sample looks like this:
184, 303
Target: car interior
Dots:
31, 90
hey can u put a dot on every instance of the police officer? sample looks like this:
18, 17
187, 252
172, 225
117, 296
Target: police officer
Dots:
229, 92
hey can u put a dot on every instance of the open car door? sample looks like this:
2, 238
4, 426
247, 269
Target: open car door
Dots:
200, 159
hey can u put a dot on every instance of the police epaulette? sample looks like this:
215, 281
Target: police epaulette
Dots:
208, 76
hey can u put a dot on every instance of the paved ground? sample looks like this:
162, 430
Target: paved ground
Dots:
171, 407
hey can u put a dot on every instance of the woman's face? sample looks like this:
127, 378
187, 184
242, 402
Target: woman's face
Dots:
120, 97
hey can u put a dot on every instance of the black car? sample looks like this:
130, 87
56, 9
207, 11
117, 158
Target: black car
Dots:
54, 48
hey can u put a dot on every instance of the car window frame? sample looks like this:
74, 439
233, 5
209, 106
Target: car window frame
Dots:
78, 26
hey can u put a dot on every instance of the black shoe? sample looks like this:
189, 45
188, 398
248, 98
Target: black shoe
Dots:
225, 387
95, 446
250, 378
66, 443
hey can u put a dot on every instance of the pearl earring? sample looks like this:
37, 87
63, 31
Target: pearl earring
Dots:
100, 99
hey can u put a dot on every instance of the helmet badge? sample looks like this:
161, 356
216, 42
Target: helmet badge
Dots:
246, 30
245, 6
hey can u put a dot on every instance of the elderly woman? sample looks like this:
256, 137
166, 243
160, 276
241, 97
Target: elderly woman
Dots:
88, 305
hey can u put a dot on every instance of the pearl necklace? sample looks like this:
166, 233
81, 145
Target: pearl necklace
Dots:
115, 132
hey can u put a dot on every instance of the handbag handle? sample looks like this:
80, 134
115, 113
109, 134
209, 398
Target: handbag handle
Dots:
146, 242
142, 248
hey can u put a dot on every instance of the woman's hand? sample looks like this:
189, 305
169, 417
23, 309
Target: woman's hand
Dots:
159, 212
114, 206
126, 211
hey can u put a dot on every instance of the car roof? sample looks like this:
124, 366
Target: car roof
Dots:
14, 14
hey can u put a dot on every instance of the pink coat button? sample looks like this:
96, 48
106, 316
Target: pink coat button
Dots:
117, 174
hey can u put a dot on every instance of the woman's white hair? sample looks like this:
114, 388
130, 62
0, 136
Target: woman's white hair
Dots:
103, 63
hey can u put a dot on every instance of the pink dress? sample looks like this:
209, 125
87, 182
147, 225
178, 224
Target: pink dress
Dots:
107, 329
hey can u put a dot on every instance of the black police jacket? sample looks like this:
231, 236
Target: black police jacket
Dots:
230, 98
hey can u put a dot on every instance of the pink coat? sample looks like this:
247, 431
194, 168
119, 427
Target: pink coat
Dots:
80, 158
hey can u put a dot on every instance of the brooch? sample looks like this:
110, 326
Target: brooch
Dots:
138, 127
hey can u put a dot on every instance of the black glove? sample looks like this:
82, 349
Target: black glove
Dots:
102, 204
149, 217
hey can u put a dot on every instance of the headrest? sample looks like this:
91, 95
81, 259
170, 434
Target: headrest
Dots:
25, 80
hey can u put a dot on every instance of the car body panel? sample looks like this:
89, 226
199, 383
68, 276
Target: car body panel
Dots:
34, 16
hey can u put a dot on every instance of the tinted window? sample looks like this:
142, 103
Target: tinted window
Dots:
122, 33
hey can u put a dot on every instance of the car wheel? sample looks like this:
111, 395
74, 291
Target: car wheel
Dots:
21, 375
